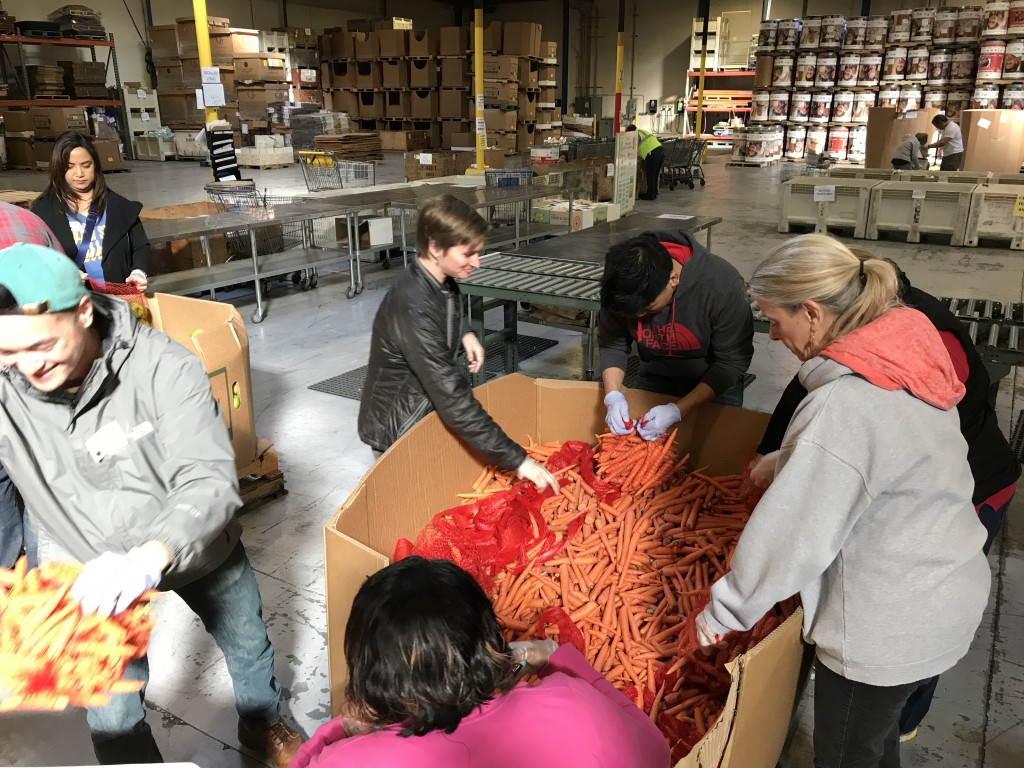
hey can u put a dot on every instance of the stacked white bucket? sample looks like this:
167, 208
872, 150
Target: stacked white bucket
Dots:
828, 71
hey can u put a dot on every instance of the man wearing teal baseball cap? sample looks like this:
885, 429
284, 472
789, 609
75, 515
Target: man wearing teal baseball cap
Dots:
111, 434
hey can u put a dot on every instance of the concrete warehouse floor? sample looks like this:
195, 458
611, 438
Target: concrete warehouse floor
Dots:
978, 716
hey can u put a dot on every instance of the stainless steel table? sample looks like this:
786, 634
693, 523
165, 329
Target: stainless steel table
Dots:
564, 272
213, 276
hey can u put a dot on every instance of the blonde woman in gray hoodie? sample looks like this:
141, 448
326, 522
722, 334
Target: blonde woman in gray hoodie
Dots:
870, 502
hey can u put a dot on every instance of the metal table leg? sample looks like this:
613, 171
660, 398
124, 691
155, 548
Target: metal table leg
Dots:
708, 231
204, 241
351, 258
258, 313
590, 348
476, 322
509, 308
405, 252
359, 259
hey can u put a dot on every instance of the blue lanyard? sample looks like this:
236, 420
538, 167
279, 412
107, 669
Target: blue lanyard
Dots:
92, 268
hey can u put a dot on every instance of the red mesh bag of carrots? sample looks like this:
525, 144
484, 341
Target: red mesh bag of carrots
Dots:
638, 539
53, 656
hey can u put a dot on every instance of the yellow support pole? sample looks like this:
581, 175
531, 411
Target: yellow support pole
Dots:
478, 87
619, 50
203, 43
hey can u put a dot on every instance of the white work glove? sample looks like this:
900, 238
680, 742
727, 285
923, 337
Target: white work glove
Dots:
657, 421
617, 417
762, 470
705, 635
139, 279
111, 582
533, 653
536, 474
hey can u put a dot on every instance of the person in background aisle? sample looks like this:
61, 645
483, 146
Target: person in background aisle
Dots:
432, 684
653, 155
951, 142
414, 350
111, 434
994, 467
871, 501
910, 154
96, 227
17, 225
688, 313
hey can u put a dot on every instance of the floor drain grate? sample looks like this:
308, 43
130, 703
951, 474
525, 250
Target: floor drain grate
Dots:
350, 384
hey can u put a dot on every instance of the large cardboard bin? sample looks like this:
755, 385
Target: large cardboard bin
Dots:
215, 333
423, 472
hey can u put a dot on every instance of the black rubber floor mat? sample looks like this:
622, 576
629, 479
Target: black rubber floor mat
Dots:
350, 384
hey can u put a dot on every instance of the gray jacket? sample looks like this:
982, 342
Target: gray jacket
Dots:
870, 519
139, 454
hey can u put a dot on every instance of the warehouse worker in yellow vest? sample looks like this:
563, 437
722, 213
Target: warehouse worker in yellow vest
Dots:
653, 155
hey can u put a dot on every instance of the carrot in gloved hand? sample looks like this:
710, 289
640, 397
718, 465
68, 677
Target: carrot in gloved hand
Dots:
52, 655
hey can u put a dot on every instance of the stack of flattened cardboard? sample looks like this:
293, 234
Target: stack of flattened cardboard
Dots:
361, 145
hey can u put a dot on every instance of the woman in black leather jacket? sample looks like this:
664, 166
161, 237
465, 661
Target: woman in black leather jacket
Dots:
415, 346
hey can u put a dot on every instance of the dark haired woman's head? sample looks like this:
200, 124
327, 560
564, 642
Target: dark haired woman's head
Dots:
423, 648
76, 172
638, 277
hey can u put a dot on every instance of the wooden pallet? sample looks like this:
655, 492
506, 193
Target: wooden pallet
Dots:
270, 167
261, 480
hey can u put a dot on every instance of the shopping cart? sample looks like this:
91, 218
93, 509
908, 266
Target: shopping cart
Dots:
508, 213
682, 163
324, 171
240, 195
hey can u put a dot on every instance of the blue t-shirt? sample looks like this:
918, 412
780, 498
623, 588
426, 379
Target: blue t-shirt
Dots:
94, 256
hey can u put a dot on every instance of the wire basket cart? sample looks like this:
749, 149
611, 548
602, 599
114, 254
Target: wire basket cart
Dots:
240, 195
324, 171
682, 163
509, 213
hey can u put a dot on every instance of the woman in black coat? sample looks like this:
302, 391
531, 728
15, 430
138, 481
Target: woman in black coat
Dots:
78, 207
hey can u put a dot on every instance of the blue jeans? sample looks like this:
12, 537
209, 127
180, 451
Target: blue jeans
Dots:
228, 602
670, 385
11, 527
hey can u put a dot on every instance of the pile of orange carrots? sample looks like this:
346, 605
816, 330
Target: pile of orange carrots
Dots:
53, 656
634, 571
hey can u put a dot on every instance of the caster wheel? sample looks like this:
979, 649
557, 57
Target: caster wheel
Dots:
351, 292
304, 284
672, 187
265, 287
359, 289
690, 185
702, 182
296, 278
257, 316
313, 280
386, 262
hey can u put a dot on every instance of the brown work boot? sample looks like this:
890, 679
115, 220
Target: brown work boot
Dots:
279, 741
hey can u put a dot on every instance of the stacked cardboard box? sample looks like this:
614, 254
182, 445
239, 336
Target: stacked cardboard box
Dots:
19, 138
179, 74
85, 79
455, 104
338, 71
304, 63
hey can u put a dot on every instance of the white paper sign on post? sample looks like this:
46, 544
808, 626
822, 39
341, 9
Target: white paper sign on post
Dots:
200, 99
211, 75
480, 101
481, 125
213, 94
825, 193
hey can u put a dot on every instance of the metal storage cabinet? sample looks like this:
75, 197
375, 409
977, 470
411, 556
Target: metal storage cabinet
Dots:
918, 207
955, 177
991, 215
849, 210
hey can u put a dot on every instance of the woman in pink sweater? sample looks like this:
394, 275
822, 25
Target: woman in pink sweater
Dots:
432, 683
